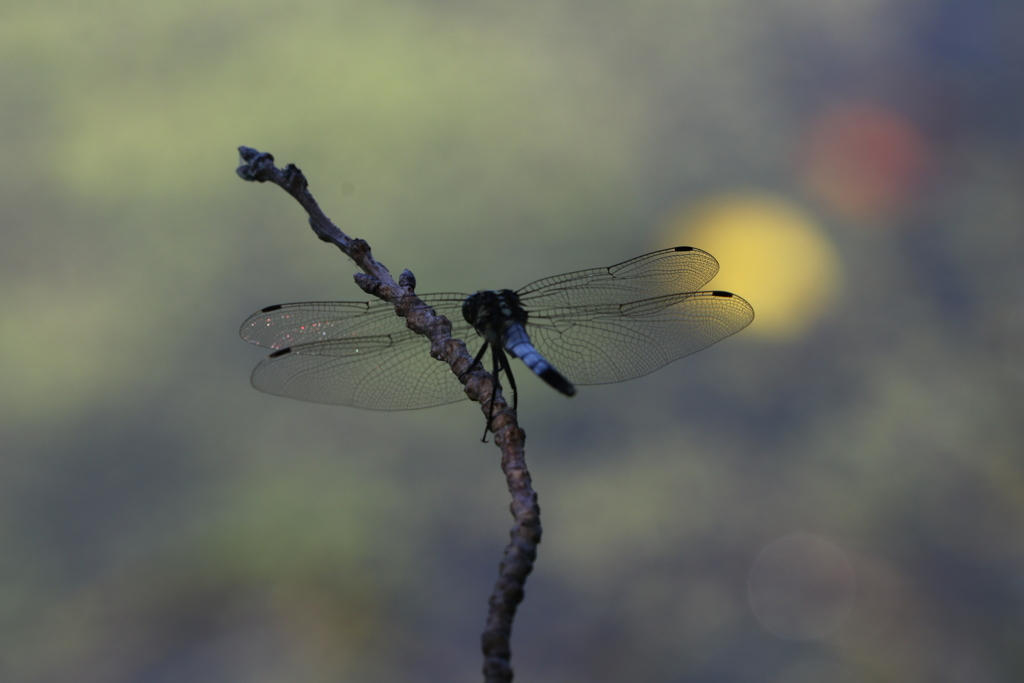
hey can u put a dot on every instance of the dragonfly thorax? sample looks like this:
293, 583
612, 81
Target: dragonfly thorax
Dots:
492, 312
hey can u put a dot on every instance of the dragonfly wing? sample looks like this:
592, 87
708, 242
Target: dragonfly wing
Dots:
379, 373
284, 325
668, 271
357, 354
603, 343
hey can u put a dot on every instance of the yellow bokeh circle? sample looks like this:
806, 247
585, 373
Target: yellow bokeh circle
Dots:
772, 253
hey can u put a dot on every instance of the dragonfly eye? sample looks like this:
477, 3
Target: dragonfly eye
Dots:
471, 308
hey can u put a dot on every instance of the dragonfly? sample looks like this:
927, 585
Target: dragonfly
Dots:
595, 326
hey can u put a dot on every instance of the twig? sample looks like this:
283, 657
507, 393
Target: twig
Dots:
376, 280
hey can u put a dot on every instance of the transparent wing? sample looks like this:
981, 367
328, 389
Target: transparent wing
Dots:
357, 354
660, 273
598, 344
612, 324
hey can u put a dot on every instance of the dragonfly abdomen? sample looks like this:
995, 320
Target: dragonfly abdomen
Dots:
517, 342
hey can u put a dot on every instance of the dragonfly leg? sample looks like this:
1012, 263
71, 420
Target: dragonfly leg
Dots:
476, 359
511, 380
498, 361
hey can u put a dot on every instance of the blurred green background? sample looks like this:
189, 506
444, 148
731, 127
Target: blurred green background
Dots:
836, 494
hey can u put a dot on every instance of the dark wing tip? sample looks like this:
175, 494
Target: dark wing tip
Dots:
268, 309
720, 293
684, 248
282, 352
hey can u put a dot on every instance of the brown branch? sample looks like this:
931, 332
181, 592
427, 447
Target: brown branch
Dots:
376, 280
517, 563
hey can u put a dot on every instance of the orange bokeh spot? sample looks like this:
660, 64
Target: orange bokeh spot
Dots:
864, 161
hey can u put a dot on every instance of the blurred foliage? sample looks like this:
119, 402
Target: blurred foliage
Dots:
856, 167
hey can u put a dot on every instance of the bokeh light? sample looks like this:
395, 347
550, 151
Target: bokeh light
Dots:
801, 587
864, 161
771, 252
